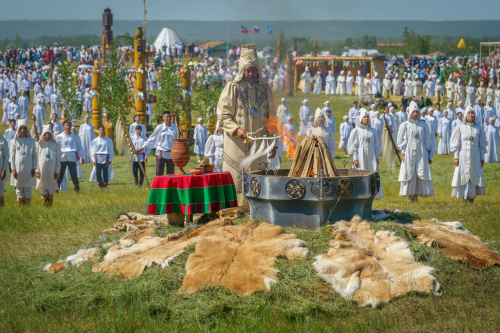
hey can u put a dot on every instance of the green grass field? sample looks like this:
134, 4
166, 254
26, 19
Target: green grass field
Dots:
78, 300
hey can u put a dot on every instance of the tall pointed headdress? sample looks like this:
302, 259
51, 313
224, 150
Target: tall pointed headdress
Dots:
248, 58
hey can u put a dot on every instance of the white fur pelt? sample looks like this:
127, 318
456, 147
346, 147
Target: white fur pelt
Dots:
372, 268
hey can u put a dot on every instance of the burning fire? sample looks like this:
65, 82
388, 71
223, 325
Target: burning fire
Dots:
273, 127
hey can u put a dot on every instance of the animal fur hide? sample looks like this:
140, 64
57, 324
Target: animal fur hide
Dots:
372, 267
240, 258
455, 243
131, 261
76, 259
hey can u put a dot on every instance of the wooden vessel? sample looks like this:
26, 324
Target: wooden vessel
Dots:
181, 154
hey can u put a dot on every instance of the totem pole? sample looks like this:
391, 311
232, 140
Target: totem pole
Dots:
140, 56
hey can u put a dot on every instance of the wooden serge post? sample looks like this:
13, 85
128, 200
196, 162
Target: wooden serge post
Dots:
140, 55
96, 87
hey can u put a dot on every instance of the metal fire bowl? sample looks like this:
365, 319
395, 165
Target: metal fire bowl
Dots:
310, 202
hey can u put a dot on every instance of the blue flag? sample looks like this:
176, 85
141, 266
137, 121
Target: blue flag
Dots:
269, 30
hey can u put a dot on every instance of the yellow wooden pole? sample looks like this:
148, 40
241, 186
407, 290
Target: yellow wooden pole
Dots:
96, 87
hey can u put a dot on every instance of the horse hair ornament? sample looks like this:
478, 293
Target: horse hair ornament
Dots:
257, 151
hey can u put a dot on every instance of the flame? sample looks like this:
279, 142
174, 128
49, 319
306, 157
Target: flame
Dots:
273, 127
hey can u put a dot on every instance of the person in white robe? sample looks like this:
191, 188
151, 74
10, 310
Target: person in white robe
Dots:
87, 101
401, 116
417, 86
38, 112
214, 148
330, 84
48, 166
349, 82
137, 122
481, 93
24, 103
13, 108
458, 93
490, 92
432, 123
149, 112
277, 82
397, 85
452, 114
310, 126
450, 88
306, 81
479, 112
275, 162
78, 161
408, 87
72, 152
102, 152
378, 125
87, 135
318, 82
200, 137
371, 113
471, 94
457, 121
6, 102
364, 146
438, 89
304, 114
444, 131
414, 141
353, 113
138, 140
321, 130
341, 84
367, 84
386, 86
329, 117
489, 111
497, 97
429, 88
54, 104
345, 131
492, 139
4, 166
359, 84
376, 85
23, 163
468, 143
283, 112
57, 126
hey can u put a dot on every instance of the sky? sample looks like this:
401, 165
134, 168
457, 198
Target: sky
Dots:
218, 10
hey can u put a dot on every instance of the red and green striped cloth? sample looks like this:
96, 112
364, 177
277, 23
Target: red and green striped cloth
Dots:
192, 194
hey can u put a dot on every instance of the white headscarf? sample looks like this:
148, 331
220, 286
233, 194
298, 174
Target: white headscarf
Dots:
467, 110
46, 129
200, 119
21, 122
414, 107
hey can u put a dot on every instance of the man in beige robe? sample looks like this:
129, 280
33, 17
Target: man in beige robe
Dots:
244, 107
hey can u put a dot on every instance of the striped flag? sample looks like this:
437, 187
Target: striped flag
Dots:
256, 29
269, 30
244, 30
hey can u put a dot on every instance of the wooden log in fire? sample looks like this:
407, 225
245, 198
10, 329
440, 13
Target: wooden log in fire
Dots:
313, 157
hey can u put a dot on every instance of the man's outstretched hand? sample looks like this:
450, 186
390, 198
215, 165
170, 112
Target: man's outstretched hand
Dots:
241, 133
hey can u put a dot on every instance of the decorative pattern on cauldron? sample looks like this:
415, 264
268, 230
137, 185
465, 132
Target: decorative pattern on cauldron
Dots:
295, 189
321, 188
255, 186
375, 184
344, 188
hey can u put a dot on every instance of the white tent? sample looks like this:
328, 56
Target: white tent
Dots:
166, 36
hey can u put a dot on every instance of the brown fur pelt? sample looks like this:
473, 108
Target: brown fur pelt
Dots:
455, 243
240, 258
372, 267
133, 260
76, 259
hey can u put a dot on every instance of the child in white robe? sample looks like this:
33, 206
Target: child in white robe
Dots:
200, 137
23, 163
48, 166
214, 148
444, 131
138, 140
345, 131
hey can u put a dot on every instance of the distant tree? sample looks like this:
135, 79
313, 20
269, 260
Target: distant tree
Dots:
124, 39
69, 96
114, 89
